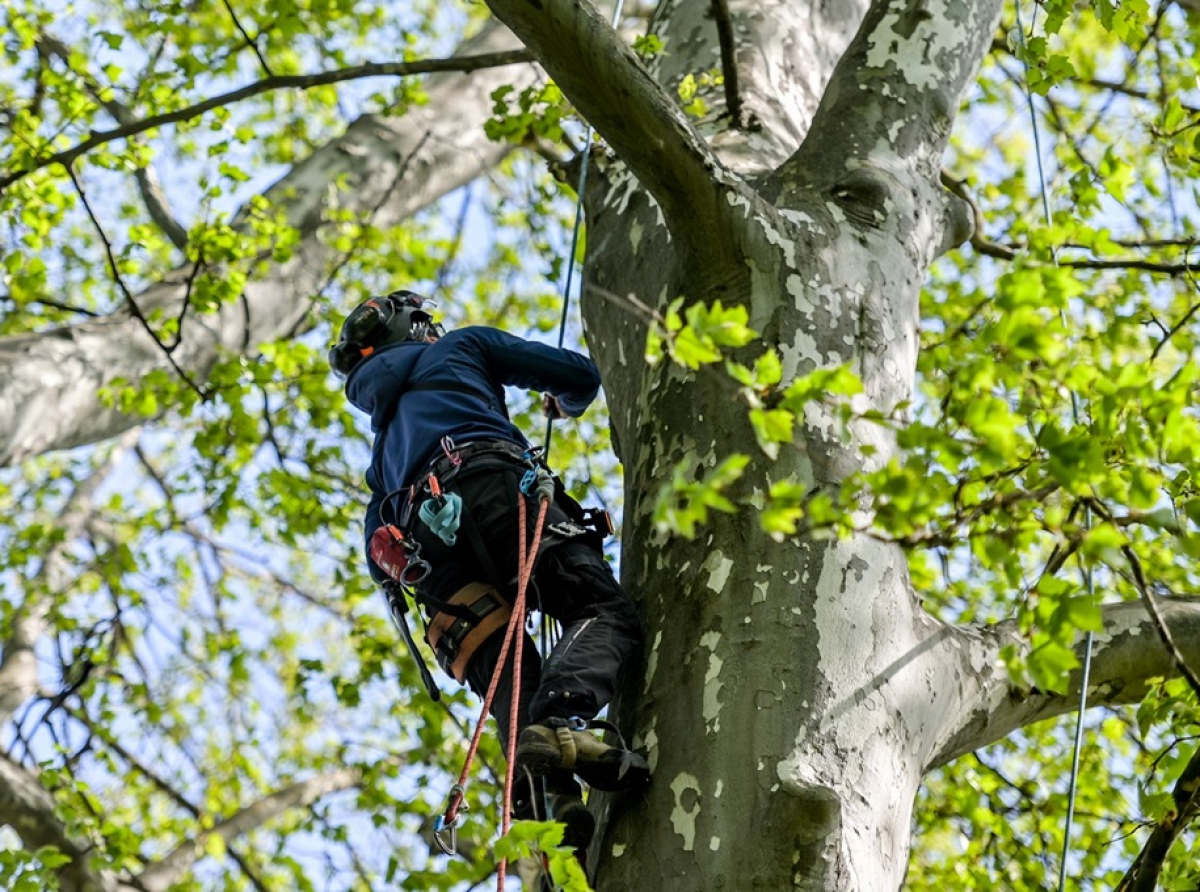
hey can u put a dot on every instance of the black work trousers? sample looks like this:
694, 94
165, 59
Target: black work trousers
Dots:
571, 583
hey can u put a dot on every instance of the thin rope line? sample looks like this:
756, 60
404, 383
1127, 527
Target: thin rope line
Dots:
583, 172
546, 635
1088, 579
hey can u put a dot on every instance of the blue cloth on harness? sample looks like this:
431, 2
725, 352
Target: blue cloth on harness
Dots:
442, 516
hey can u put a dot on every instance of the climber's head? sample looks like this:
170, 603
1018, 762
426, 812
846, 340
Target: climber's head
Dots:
380, 322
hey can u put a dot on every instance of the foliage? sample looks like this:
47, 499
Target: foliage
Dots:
213, 636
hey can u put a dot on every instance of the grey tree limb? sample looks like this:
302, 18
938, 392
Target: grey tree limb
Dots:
160, 876
1127, 653
51, 381
640, 120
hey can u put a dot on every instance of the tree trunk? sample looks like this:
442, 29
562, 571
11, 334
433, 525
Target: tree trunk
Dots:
789, 688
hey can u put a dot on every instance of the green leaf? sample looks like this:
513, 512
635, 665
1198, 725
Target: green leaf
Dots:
772, 427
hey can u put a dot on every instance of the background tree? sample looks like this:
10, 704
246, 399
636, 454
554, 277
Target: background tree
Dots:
870, 499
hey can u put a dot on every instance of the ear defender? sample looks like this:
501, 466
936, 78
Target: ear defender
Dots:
378, 322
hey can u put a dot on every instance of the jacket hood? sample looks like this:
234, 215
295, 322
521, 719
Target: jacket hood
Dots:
375, 384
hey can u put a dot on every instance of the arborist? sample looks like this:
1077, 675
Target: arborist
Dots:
447, 470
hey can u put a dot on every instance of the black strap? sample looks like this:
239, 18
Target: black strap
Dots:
398, 607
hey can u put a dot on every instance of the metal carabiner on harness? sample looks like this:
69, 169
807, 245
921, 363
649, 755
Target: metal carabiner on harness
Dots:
456, 803
415, 571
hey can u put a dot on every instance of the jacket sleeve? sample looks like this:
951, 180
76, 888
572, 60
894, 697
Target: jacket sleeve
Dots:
374, 521
571, 377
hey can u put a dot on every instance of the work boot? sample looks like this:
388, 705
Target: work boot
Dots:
566, 744
565, 801
566, 805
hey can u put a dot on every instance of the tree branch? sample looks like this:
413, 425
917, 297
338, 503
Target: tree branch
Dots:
1143, 873
130, 301
280, 82
151, 190
645, 125
29, 810
896, 89
250, 42
161, 875
729, 68
1127, 653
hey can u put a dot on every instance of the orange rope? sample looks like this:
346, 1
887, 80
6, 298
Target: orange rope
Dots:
524, 572
525, 564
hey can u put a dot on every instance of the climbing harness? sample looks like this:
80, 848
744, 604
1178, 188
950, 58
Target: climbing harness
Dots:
1088, 579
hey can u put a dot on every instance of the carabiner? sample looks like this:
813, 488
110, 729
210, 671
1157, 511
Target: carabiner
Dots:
451, 452
456, 802
415, 572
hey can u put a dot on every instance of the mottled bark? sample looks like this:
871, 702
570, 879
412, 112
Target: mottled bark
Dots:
985, 705
791, 688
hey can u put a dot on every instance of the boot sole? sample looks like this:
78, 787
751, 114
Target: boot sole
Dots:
611, 775
540, 757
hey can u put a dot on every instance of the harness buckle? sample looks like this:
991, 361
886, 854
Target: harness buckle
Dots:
451, 451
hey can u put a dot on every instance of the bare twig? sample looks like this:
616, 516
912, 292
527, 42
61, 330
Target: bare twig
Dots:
280, 82
250, 42
116, 273
1171, 332
733, 99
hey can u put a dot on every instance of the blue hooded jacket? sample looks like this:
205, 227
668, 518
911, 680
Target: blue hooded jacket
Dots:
475, 363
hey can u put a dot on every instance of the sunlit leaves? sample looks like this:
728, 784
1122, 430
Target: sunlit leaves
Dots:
532, 839
537, 111
684, 503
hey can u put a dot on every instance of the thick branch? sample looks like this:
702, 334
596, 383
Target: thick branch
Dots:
898, 86
1126, 655
464, 63
1143, 873
643, 123
163, 874
50, 382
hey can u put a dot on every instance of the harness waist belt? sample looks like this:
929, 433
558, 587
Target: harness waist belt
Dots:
443, 465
